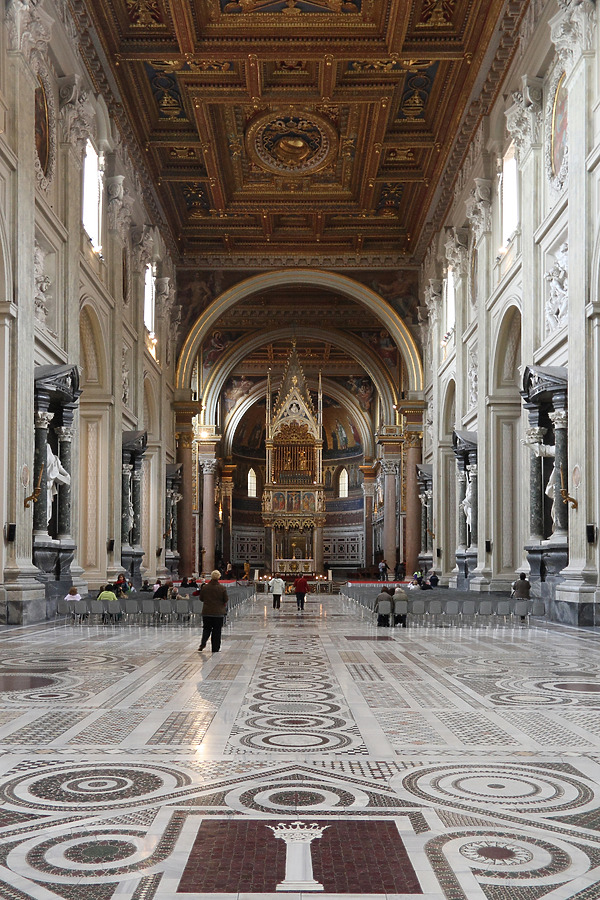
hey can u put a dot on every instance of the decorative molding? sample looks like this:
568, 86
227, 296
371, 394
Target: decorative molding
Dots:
472, 377
557, 179
125, 375
479, 207
142, 244
29, 28
76, 112
164, 296
524, 118
572, 30
557, 301
119, 206
45, 176
41, 291
433, 300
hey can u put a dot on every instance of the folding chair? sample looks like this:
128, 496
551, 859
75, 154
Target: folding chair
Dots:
539, 608
416, 608
503, 610
182, 609
468, 610
451, 610
149, 609
434, 611
97, 609
131, 608
165, 609
485, 610
521, 611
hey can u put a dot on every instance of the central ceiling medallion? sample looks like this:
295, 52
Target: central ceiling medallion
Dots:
298, 143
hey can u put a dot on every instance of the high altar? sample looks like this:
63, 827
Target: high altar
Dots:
293, 501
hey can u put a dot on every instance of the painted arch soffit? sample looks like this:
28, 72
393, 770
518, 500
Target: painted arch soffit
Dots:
335, 282
234, 357
330, 388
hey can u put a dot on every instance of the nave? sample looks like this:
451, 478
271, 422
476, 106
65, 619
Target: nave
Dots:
315, 754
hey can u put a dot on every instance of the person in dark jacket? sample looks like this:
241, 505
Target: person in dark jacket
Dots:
301, 588
383, 608
214, 599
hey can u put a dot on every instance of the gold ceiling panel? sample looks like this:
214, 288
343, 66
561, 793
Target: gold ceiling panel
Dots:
306, 126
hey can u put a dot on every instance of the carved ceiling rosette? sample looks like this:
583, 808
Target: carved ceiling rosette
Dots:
292, 142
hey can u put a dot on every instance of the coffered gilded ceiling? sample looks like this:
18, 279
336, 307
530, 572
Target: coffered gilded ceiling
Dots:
295, 126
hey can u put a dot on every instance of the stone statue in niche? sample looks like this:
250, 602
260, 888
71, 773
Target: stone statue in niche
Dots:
467, 503
557, 303
55, 475
124, 377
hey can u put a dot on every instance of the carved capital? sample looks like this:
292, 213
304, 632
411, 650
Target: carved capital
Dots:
559, 418
457, 249
534, 435
76, 112
389, 467
209, 466
29, 28
42, 419
412, 440
65, 434
479, 207
572, 30
524, 118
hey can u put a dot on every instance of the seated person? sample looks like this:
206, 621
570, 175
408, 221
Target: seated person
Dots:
383, 608
434, 580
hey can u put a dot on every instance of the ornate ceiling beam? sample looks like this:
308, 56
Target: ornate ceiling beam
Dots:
184, 26
210, 156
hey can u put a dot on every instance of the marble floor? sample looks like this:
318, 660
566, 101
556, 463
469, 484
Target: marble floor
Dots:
315, 754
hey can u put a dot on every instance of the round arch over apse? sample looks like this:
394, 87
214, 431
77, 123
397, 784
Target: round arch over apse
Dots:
303, 277
369, 361
330, 388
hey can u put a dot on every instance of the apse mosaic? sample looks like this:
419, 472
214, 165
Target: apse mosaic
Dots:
315, 754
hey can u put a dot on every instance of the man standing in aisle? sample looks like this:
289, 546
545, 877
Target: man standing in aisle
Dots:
214, 606
301, 588
277, 588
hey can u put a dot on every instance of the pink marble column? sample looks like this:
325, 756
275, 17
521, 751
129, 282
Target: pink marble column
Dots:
209, 467
412, 450
185, 541
390, 521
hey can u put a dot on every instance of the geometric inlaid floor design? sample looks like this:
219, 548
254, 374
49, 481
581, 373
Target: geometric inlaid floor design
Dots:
309, 758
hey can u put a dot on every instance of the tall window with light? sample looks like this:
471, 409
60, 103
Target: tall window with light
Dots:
343, 483
251, 483
92, 196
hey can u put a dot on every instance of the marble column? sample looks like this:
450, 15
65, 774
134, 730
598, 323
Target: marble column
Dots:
176, 500
168, 535
533, 438
390, 530
226, 500
65, 436
126, 518
40, 509
461, 530
472, 470
412, 447
429, 521
209, 468
423, 499
559, 419
136, 501
368, 494
318, 545
185, 443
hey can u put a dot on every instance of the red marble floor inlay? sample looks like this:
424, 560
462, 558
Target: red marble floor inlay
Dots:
363, 858
350, 857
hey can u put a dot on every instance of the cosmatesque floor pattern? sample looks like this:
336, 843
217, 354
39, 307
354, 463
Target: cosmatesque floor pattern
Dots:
315, 755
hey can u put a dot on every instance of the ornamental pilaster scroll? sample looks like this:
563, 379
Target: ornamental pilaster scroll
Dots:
164, 297
119, 206
557, 301
479, 207
76, 112
29, 28
433, 300
42, 283
572, 30
524, 118
457, 249
142, 245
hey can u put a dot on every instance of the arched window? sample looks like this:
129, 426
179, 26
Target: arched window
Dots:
92, 196
251, 483
343, 483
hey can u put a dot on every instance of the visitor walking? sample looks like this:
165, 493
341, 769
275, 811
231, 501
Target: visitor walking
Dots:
301, 588
383, 570
277, 588
214, 608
